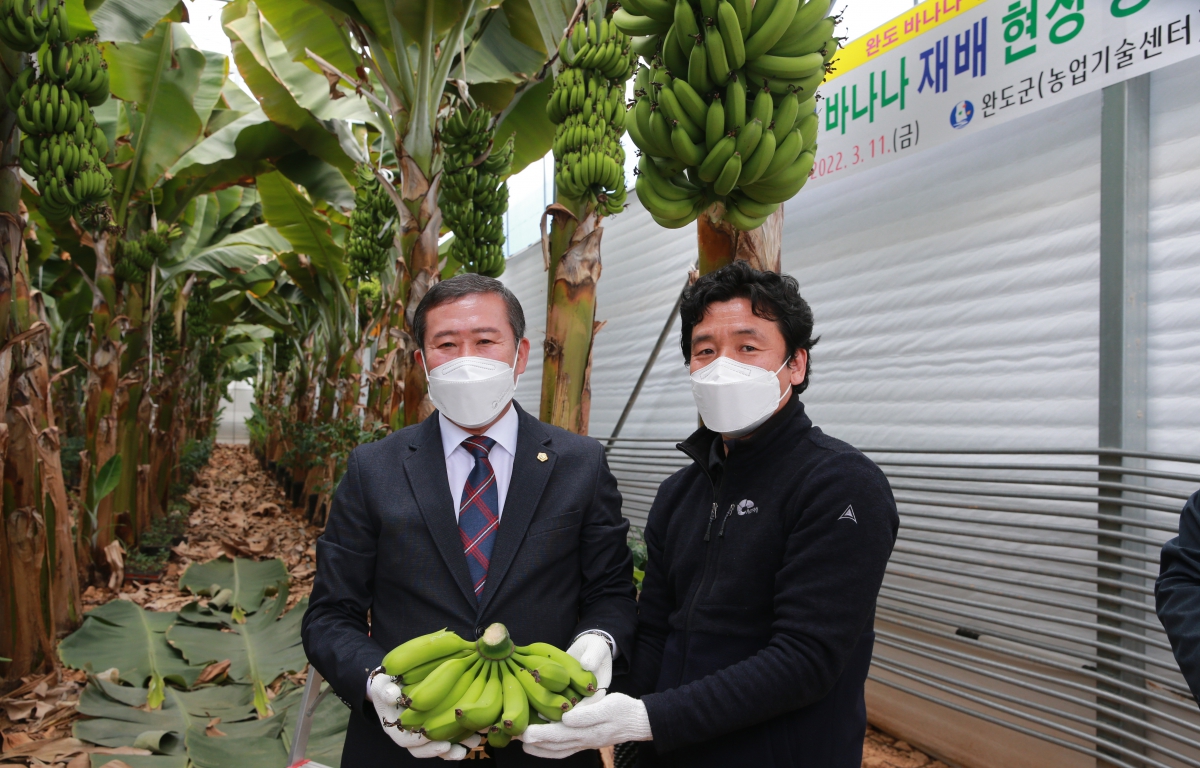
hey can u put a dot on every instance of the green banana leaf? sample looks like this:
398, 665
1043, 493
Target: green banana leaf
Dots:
243, 26
178, 728
127, 21
162, 81
259, 651
527, 121
242, 250
230, 750
249, 581
329, 724
307, 27
498, 56
412, 15
120, 634
293, 215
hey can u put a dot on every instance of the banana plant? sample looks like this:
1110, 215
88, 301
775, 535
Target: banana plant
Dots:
410, 63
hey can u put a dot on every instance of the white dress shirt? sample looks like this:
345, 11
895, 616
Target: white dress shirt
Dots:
460, 462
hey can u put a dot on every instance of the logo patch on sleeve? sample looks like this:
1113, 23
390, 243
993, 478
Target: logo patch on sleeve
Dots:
849, 515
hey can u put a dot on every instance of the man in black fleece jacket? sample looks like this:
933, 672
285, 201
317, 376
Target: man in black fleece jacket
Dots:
765, 560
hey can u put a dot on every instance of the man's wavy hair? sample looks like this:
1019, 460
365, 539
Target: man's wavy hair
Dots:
772, 297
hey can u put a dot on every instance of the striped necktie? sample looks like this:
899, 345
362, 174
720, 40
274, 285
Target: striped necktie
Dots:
479, 511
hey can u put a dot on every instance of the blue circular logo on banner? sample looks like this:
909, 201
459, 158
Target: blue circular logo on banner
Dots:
962, 113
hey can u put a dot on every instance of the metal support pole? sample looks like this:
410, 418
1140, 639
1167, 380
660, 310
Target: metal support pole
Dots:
308, 707
637, 388
1124, 237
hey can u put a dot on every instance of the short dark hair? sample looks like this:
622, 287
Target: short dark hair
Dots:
465, 285
772, 296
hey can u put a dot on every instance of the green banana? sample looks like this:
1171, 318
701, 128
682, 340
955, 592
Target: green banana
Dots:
788, 67
731, 34
675, 111
740, 220
752, 208
808, 129
724, 182
772, 29
716, 159
758, 15
714, 123
748, 137
420, 672
785, 115
698, 76
718, 64
684, 147
484, 710
758, 161
498, 739
807, 17
514, 716
663, 186
785, 155
548, 673
433, 689
811, 41
685, 19
691, 102
763, 107
445, 723
639, 25
661, 132
659, 206
645, 45
784, 185
735, 105
549, 705
425, 648
661, 10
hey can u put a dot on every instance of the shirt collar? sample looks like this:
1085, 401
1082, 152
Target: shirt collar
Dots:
504, 432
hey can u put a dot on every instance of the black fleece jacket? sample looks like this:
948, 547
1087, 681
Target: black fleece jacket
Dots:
780, 547
1177, 593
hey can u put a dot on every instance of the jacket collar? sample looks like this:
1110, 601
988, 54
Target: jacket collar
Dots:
788, 425
426, 469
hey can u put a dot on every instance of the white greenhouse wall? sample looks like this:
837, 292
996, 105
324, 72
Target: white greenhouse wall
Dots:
1173, 344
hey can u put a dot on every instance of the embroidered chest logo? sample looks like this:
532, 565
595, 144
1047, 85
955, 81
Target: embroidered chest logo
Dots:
849, 515
746, 507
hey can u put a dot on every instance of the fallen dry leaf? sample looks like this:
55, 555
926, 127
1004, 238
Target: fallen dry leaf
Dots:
213, 672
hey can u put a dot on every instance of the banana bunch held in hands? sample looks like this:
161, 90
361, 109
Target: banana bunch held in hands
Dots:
725, 106
63, 148
453, 687
371, 225
588, 107
474, 198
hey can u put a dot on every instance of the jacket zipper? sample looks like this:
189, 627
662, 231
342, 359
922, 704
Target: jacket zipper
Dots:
721, 534
712, 516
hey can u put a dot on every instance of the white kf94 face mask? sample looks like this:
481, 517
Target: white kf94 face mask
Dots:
472, 391
735, 398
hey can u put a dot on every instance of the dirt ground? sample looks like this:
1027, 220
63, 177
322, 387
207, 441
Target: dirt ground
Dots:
237, 510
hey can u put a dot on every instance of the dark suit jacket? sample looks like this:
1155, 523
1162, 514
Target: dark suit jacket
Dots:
391, 548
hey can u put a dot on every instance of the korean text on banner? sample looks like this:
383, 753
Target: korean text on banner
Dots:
949, 67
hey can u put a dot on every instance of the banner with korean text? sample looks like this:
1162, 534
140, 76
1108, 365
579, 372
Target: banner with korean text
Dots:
950, 67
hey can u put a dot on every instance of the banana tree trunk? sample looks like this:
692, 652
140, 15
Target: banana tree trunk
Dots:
572, 253
420, 226
132, 413
720, 243
33, 469
104, 373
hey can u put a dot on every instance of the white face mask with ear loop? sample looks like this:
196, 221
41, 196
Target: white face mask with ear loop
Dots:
472, 391
735, 398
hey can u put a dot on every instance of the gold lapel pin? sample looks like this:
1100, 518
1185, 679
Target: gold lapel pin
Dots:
542, 457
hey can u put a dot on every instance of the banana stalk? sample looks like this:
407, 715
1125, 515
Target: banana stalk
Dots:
572, 253
720, 243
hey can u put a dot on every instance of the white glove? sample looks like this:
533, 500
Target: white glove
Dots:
594, 655
614, 720
385, 695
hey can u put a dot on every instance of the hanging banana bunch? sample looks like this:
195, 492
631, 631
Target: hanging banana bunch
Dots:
133, 259
371, 226
725, 106
63, 148
588, 107
474, 198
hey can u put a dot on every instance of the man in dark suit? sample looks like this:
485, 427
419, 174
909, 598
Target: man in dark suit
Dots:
479, 514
